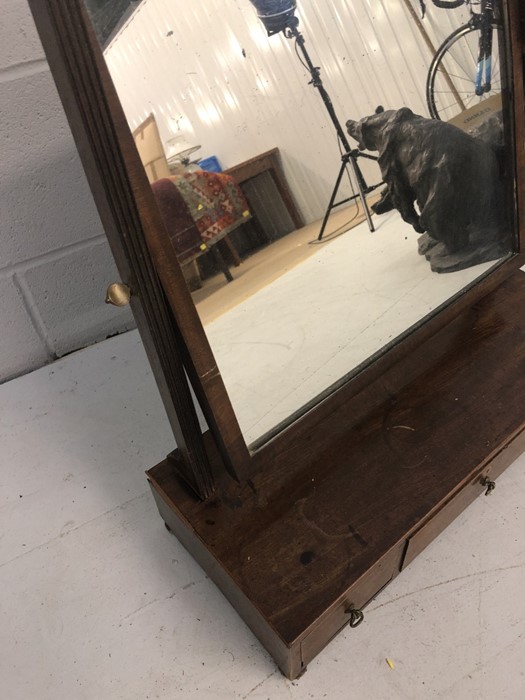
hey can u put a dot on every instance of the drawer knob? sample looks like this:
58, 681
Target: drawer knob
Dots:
356, 616
118, 294
491, 485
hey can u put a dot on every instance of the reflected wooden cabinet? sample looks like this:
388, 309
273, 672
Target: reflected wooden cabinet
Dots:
302, 531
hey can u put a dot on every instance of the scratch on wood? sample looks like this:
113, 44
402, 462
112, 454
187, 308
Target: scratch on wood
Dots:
213, 372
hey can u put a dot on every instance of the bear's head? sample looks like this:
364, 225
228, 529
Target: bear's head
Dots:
371, 132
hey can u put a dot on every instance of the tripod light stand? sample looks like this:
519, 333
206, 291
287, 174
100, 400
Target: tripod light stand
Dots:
279, 16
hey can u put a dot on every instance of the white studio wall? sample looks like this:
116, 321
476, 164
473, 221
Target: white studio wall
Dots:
55, 262
210, 71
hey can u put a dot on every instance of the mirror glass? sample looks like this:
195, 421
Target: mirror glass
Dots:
397, 117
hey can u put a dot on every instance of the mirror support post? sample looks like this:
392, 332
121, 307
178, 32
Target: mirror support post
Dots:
116, 177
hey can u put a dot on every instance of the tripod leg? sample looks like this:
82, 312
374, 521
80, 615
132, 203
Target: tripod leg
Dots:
360, 180
292, 32
361, 187
332, 200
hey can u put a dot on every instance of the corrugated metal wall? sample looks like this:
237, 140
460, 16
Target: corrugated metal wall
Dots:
208, 69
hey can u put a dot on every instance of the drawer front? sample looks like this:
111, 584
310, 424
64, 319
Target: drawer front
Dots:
417, 542
357, 596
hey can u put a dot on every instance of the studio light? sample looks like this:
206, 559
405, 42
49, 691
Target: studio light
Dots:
276, 15
279, 16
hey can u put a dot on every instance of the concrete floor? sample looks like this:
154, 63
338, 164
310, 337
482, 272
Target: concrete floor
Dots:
99, 601
260, 269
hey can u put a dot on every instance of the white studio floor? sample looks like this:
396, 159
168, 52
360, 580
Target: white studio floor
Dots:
291, 340
98, 601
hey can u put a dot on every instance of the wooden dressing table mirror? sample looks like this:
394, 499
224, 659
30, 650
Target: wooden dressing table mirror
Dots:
302, 526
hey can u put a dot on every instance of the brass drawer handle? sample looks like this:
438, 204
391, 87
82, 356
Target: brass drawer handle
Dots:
356, 616
491, 485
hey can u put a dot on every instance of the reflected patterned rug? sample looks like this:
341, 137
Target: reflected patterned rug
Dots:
216, 202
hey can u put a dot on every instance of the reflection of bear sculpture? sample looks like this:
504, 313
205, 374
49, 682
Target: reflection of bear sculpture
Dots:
453, 178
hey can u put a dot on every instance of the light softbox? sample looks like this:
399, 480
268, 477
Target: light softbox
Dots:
276, 15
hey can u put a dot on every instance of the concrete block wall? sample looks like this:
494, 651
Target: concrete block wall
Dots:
55, 262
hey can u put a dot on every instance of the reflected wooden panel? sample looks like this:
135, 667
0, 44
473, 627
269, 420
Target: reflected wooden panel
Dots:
150, 148
268, 162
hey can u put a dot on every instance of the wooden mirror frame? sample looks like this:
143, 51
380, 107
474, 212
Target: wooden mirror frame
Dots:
301, 532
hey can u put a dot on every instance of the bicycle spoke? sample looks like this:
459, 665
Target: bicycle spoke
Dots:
467, 93
453, 75
451, 83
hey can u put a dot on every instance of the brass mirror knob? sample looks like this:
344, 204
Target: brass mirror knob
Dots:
118, 294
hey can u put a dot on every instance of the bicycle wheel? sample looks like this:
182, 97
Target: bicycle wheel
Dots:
448, 4
450, 86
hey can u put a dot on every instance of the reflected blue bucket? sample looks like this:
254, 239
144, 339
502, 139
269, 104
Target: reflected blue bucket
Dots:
210, 164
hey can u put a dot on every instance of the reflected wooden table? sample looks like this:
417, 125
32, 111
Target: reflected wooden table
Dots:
268, 162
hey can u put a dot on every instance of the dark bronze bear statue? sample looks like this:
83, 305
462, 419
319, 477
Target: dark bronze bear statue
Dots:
454, 179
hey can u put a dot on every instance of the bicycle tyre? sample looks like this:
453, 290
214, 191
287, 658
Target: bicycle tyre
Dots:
437, 62
448, 4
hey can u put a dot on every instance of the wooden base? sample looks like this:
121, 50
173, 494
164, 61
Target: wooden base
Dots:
295, 553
